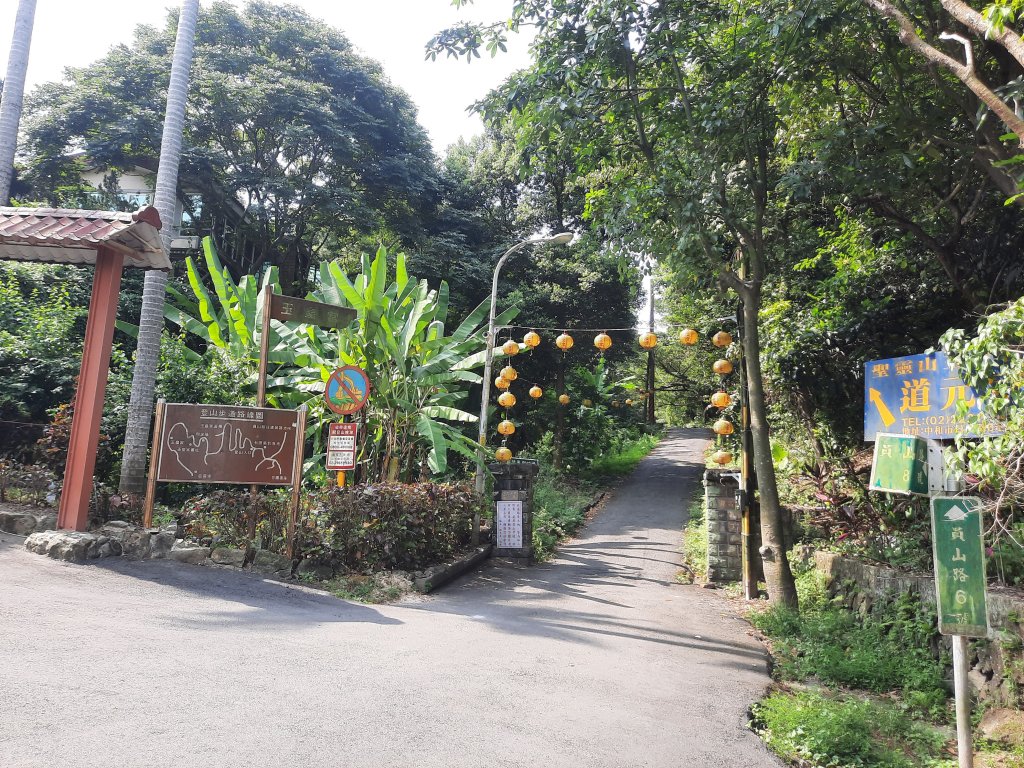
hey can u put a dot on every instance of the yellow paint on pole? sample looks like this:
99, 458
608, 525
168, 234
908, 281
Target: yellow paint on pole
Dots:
341, 479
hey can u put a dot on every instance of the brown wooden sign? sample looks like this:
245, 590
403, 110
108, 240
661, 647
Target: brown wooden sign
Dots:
227, 444
288, 309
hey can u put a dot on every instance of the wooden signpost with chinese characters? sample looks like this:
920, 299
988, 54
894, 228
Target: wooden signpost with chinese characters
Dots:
227, 444
958, 546
288, 309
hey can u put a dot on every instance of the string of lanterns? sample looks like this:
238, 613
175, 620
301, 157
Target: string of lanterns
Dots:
602, 341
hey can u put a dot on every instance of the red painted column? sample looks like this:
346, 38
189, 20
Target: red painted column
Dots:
92, 385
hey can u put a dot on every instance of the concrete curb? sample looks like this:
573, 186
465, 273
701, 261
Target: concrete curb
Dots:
439, 575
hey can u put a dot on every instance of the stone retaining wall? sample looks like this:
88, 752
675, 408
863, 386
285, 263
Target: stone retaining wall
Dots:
997, 663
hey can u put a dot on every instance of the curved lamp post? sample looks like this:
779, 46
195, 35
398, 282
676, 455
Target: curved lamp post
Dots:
560, 239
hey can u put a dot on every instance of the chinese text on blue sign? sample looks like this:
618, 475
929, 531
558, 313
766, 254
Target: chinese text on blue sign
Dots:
916, 395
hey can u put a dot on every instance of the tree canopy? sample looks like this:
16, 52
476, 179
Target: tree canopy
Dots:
283, 118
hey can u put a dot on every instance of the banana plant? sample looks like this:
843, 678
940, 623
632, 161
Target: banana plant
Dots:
419, 373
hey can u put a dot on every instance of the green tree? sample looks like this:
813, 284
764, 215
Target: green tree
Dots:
283, 121
13, 88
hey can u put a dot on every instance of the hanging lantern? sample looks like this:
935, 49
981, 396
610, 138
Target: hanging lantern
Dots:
563, 399
588, 403
502, 383
564, 342
510, 373
536, 392
503, 454
506, 400
722, 339
688, 337
629, 403
615, 403
531, 340
722, 367
721, 457
648, 340
506, 427
720, 399
723, 427
602, 341
510, 348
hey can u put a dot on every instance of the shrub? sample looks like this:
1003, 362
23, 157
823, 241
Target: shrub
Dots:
224, 515
383, 526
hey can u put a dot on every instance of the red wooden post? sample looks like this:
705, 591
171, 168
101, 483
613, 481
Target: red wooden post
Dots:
92, 385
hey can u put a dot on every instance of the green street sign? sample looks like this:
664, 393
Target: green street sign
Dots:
958, 546
900, 465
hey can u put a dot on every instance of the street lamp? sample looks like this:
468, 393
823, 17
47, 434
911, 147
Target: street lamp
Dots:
560, 239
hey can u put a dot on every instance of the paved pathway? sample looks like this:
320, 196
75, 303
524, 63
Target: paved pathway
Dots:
597, 659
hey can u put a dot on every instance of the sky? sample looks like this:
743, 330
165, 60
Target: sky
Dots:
394, 32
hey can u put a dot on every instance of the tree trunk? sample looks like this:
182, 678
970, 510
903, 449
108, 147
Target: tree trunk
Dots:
151, 319
14, 92
777, 575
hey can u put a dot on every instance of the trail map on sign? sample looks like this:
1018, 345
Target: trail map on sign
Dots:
227, 444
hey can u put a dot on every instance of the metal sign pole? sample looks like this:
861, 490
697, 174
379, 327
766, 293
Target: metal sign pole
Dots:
300, 446
961, 692
154, 464
261, 394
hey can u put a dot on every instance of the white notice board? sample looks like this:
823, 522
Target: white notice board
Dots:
509, 525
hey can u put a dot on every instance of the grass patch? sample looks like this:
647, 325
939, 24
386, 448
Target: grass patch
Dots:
560, 506
695, 544
621, 462
888, 650
373, 588
836, 731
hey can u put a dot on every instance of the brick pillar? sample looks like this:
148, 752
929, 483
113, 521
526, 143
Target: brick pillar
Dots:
723, 519
513, 508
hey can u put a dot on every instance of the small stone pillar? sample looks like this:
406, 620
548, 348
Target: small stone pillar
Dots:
724, 520
513, 508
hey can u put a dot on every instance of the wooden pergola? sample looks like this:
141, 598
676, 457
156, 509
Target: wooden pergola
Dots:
108, 240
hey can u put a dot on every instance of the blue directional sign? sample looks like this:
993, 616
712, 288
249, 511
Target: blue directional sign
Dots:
917, 395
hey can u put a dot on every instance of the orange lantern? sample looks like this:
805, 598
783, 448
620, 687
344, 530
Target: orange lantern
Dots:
720, 399
510, 373
506, 427
602, 341
502, 383
536, 392
722, 367
588, 403
563, 399
721, 457
723, 427
722, 339
506, 400
510, 348
688, 337
531, 340
648, 340
503, 454
629, 403
615, 403
564, 342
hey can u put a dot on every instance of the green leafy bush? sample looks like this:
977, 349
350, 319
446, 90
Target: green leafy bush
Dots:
560, 506
224, 515
889, 649
388, 526
843, 732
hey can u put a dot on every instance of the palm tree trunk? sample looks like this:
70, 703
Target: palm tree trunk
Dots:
13, 94
151, 319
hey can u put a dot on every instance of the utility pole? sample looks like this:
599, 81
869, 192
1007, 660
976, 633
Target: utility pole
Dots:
649, 404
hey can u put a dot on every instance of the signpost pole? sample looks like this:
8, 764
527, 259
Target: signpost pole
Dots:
261, 392
964, 742
300, 445
154, 463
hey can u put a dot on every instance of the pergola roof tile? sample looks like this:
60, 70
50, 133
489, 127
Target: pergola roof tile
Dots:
72, 236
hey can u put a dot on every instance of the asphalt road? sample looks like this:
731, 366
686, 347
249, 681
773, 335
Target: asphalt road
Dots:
597, 659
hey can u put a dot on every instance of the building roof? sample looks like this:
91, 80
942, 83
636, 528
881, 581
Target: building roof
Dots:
69, 236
